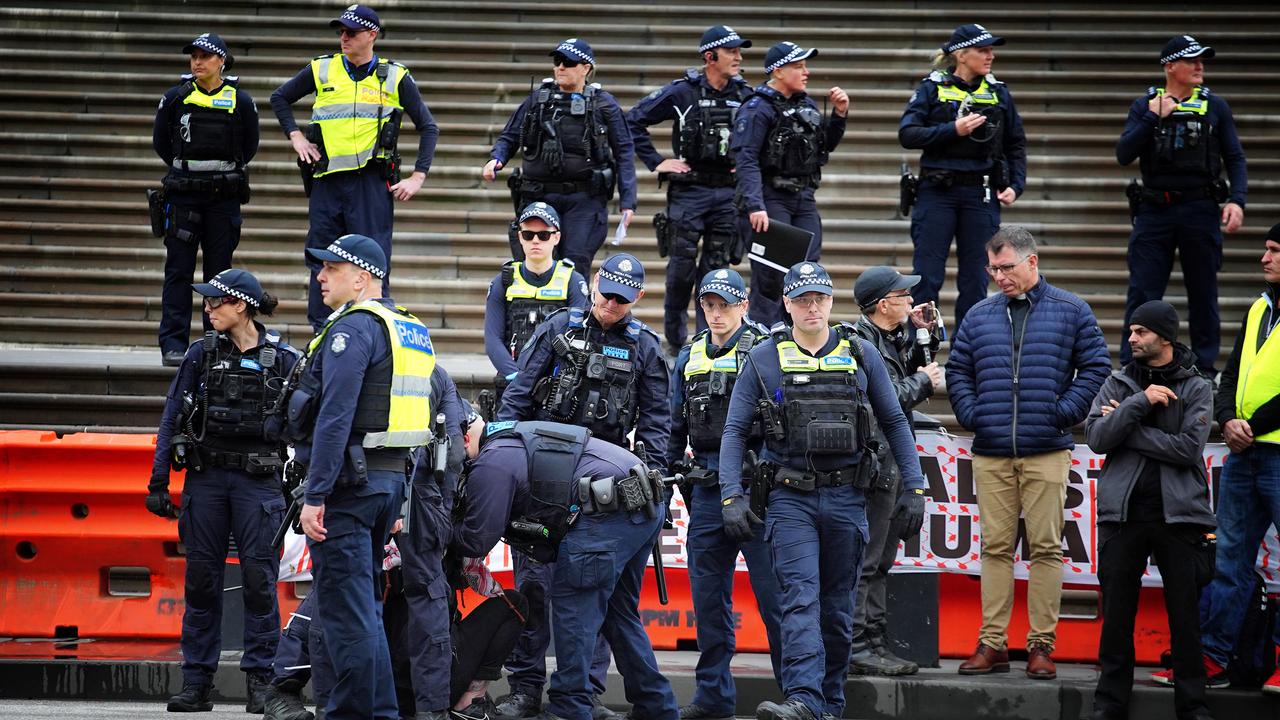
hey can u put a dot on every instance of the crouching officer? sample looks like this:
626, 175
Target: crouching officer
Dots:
206, 132
362, 402
700, 170
216, 426
811, 385
702, 382
593, 512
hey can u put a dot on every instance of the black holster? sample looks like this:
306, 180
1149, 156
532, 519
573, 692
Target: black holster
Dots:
908, 187
662, 228
155, 208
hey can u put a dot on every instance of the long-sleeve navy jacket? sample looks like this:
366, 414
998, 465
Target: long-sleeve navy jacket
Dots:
755, 120
763, 374
304, 84
653, 417
670, 102
624, 153
1137, 142
929, 124
167, 117
498, 488
495, 314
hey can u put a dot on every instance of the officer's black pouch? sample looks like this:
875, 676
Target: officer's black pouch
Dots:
155, 208
1134, 193
771, 420
357, 467
661, 227
907, 190
603, 182
795, 479
829, 437
759, 478
868, 471
515, 184
262, 464
1220, 191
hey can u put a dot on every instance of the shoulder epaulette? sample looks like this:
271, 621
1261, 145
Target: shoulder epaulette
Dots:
692, 75
568, 263
576, 316
939, 76
991, 78
635, 328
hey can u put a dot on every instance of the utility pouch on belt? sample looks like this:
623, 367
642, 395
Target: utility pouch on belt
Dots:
662, 228
357, 466
907, 188
634, 492
515, 183
795, 479
868, 472
155, 208
1134, 193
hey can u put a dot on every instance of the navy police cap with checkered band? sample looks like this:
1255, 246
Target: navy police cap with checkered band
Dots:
725, 282
622, 274
575, 49
543, 212
359, 250
1184, 47
234, 283
971, 36
721, 36
357, 17
785, 53
806, 277
210, 43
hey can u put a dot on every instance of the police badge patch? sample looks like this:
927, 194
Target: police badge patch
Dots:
339, 343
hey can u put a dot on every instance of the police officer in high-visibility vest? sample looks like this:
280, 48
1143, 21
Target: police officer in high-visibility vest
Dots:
217, 425
701, 384
362, 403
592, 511
1247, 407
1182, 136
206, 132
701, 106
349, 150
813, 387
973, 160
527, 291
780, 143
575, 147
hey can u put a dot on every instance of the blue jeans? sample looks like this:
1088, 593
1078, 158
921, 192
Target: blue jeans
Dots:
1248, 505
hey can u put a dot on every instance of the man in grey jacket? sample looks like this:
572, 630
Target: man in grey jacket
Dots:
1152, 419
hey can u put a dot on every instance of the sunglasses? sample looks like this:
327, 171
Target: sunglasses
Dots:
213, 303
616, 298
562, 60
540, 235
348, 32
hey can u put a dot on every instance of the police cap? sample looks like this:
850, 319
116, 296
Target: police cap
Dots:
576, 50
785, 53
806, 277
721, 36
725, 282
357, 17
211, 43
971, 36
541, 211
359, 250
1184, 46
233, 283
623, 275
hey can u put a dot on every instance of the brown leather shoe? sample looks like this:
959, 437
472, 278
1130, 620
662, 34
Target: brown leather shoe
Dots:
985, 660
1039, 665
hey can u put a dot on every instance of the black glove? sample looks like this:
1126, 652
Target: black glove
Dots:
738, 519
910, 510
158, 500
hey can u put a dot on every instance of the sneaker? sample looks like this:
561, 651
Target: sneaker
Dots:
1272, 686
480, 709
694, 711
1215, 676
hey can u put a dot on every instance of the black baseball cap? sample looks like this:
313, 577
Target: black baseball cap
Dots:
877, 282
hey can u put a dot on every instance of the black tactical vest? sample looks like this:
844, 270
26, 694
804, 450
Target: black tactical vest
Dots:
794, 147
564, 136
204, 133
238, 392
702, 137
592, 385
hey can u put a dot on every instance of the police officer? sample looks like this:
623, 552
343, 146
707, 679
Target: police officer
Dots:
700, 171
974, 160
526, 292
575, 147
206, 132
702, 381
781, 142
814, 386
1182, 135
216, 426
532, 473
350, 148
362, 403
906, 339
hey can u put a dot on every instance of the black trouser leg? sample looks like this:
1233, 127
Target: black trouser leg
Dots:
1123, 552
1172, 550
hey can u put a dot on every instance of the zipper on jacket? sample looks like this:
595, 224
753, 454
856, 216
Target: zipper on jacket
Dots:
1016, 358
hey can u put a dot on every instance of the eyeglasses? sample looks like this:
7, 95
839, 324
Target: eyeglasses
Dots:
213, 303
808, 301
717, 305
562, 60
540, 235
994, 270
903, 294
348, 32
615, 298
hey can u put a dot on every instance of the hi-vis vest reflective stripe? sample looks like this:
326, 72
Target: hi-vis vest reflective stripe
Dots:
793, 360
700, 363
413, 359
347, 111
984, 95
557, 288
1259, 378
1197, 103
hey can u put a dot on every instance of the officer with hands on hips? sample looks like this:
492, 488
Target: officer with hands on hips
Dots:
575, 147
215, 424
362, 403
906, 338
700, 171
780, 143
811, 384
526, 292
702, 381
1182, 135
973, 160
206, 132
352, 157
602, 511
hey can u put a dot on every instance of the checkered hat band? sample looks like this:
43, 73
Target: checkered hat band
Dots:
806, 281
621, 279
717, 43
336, 249
1189, 50
542, 215
789, 57
217, 284
204, 44
369, 24
970, 41
571, 50
722, 289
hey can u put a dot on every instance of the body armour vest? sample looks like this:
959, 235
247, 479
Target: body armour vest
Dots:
1259, 378
703, 131
794, 147
528, 305
238, 392
592, 385
358, 119
207, 134
985, 143
821, 399
563, 136
1185, 142
553, 452
708, 384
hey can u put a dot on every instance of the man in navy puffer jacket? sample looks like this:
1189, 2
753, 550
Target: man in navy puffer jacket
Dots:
1024, 368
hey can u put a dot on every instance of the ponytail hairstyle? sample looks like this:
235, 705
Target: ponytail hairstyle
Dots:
267, 305
943, 61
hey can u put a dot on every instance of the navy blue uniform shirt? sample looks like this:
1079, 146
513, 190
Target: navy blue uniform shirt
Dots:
668, 103
167, 117
537, 360
624, 154
495, 313
755, 120
763, 369
498, 488
304, 84
929, 124
1137, 141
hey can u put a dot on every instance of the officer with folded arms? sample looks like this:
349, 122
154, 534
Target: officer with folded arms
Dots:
702, 382
814, 387
206, 132
216, 425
